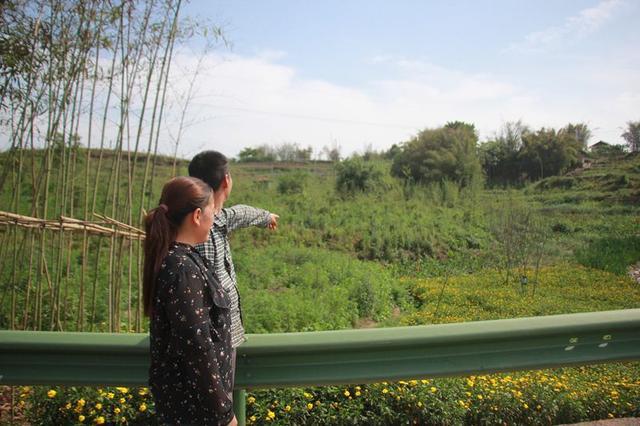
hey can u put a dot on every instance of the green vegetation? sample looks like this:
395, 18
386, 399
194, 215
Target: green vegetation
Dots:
435, 155
400, 253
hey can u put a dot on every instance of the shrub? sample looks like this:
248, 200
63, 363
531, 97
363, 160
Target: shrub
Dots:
613, 254
356, 175
292, 182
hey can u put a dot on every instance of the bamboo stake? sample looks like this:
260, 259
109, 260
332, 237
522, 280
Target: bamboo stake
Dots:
26, 302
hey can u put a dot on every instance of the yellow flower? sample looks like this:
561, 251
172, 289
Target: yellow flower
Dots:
143, 407
358, 393
68, 406
287, 408
271, 414
99, 420
122, 400
252, 418
123, 390
143, 391
480, 397
110, 395
98, 406
525, 406
346, 393
433, 389
123, 419
420, 404
81, 402
308, 395
251, 400
116, 410
309, 406
385, 390
52, 393
81, 418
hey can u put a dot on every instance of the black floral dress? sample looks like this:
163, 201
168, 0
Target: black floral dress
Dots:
190, 375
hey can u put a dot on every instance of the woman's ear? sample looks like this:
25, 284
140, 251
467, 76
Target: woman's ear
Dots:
196, 216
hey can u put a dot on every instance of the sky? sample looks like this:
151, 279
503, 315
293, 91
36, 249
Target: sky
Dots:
360, 75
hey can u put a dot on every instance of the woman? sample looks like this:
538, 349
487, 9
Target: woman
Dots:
190, 374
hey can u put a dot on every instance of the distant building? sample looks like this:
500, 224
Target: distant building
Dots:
598, 146
602, 148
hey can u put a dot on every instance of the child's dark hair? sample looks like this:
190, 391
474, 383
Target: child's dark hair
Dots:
180, 196
210, 166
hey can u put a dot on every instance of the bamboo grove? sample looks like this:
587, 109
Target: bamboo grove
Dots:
83, 91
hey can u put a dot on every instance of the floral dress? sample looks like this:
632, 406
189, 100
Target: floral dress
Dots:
190, 375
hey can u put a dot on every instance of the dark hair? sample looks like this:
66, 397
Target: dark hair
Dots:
180, 196
210, 166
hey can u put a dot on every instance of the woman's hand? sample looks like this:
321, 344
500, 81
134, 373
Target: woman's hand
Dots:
233, 422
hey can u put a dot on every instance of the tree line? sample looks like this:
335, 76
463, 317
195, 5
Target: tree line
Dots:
517, 154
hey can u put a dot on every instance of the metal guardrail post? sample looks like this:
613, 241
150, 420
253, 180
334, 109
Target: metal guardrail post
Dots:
240, 406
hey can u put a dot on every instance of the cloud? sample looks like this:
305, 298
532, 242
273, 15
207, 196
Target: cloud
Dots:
576, 27
244, 101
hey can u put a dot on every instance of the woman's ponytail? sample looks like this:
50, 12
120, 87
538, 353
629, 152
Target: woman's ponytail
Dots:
159, 234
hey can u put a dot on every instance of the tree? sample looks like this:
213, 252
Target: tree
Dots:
580, 132
332, 154
511, 135
632, 136
434, 155
499, 157
258, 154
548, 152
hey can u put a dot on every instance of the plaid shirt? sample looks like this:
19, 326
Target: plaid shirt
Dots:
217, 251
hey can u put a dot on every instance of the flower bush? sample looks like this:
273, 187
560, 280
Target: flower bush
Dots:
563, 395
85, 405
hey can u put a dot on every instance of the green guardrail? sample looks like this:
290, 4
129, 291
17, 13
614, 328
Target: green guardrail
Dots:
334, 357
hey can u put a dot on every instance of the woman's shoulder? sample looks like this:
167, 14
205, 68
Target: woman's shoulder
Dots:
178, 259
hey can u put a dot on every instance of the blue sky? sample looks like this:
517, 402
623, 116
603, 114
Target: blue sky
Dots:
373, 73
